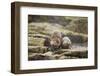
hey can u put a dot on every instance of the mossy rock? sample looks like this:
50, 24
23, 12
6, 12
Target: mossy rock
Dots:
36, 41
37, 49
78, 38
40, 56
76, 54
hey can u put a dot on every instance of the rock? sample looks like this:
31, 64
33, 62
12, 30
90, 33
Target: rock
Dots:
41, 53
68, 57
37, 49
49, 53
78, 38
73, 53
60, 51
32, 55
78, 54
33, 41
56, 56
44, 49
33, 49
40, 57
63, 57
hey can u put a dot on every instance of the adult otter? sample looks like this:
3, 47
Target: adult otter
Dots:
56, 40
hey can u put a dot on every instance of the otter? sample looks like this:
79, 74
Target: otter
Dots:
57, 40
66, 43
47, 42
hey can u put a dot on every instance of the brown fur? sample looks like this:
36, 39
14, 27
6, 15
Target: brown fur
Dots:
55, 39
47, 42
